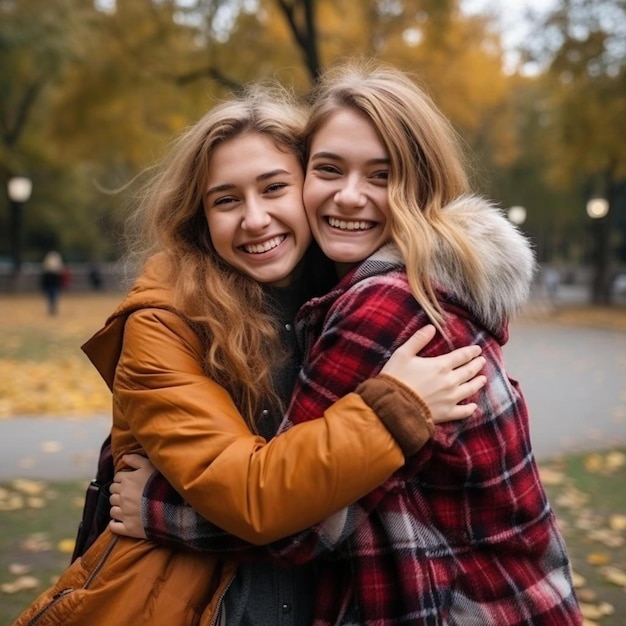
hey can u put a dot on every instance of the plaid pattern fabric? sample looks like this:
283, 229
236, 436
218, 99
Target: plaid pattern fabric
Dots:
463, 534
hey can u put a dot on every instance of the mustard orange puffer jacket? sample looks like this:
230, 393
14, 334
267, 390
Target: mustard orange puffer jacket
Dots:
164, 406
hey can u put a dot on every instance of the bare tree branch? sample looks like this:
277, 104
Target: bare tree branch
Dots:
305, 34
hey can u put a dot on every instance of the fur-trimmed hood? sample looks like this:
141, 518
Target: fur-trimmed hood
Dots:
507, 262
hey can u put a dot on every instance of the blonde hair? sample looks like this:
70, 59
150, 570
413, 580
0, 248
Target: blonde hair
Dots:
426, 166
225, 305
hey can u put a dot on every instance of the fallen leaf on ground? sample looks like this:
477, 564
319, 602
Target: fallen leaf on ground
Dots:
66, 546
36, 503
39, 542
587, 520
614, 575
615, 460
586, 595
596, 611
13, 502
60, 387
29, 487
607, 536
551, 476
22, 583
571, 498
594, 463
598, 558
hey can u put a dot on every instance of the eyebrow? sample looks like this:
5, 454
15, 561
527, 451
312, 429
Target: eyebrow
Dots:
260, 178
337, 157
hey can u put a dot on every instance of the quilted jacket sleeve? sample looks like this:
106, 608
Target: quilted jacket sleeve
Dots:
192, 432
349, 352
167, 518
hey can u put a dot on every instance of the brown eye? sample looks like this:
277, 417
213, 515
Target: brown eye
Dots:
275, 187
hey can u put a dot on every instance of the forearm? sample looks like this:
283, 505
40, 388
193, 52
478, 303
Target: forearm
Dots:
168, 518
194, 435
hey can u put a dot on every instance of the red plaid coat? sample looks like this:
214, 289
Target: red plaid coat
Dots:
463, 535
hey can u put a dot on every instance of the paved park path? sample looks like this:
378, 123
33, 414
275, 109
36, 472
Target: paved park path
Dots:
574, 380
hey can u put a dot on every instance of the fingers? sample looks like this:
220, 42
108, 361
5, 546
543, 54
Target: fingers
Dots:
118, 528
468, 389
462, 356
126, 530
475, 385
136, 461
419, 339
116, 513
462, 411
469, 370
459, 412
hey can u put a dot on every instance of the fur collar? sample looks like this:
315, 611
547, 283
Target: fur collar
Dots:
507, 263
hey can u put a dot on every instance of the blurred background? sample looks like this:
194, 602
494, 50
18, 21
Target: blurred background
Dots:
92, 92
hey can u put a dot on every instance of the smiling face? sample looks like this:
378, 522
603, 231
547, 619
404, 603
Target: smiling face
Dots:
345, 191
253, 206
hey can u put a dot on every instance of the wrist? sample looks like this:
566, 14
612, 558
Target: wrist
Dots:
403, 412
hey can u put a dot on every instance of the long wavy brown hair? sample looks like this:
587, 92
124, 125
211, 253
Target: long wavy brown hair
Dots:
225, 306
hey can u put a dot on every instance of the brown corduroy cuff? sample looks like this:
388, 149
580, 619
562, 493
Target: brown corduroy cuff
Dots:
405, 415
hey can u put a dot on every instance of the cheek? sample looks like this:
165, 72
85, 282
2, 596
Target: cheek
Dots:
219, 231
383, 206
311, 198
299, 224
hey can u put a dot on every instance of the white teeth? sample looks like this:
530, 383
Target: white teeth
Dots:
345, 225
259, 248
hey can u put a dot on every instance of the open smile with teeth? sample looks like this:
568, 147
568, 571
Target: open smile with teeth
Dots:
350, 224
266, 246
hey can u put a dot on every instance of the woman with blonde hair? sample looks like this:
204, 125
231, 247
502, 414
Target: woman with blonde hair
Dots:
462, 534
199, 357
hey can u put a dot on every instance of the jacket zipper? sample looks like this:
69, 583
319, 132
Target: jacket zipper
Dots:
55, 598
61, 594
100, 563
218, 606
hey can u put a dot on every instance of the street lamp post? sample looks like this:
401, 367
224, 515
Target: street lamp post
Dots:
19, 189
597, 210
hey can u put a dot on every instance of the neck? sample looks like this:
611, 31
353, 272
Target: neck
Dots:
343, 268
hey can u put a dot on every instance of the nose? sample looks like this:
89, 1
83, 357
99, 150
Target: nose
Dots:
255, 217
350, 195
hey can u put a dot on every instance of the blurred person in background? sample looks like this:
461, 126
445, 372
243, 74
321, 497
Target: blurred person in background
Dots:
53, 280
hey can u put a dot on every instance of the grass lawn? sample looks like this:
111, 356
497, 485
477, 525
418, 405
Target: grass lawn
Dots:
38, 522
588, 495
